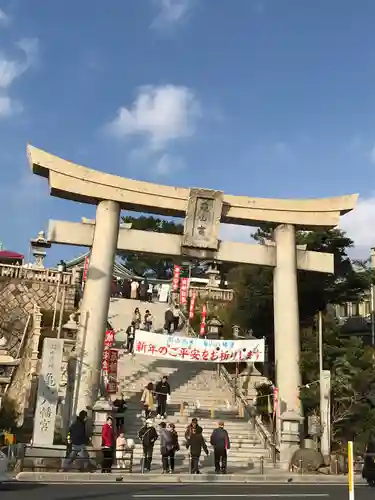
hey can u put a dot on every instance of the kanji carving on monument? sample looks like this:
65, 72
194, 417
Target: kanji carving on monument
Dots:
202, 221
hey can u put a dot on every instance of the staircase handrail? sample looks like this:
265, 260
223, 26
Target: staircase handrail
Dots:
240, 398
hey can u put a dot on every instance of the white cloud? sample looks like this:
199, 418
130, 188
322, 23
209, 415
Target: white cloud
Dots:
10, 70
372, 155
359, 225
9, 107
4, 18
167, 165
160, 114
171, 12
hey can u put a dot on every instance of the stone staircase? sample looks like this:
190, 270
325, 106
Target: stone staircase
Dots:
197, 391
121, 313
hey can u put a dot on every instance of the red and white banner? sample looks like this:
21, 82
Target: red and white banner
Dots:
202, 330
275, 400
109, 338
184, 286
85, 268
176, 278
192, 306
109, 368
198, 349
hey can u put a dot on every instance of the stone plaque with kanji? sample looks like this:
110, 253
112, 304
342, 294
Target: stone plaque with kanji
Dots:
202, 221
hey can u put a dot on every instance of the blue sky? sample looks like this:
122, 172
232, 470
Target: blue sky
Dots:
268, 98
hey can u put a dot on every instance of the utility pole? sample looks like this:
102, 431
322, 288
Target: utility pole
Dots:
320, 342
325, 397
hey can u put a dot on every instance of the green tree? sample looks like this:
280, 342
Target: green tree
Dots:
350, 362
253, 306
352, 382
155, 265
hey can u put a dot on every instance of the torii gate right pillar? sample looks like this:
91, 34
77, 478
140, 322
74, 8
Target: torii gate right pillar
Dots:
287, 341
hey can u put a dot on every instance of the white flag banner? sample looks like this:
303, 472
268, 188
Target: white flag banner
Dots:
196, 349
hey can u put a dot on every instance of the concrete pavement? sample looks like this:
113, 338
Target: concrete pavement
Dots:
117, 491
157, 479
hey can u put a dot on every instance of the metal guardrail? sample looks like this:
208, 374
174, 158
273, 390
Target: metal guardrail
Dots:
251, 412
22, 457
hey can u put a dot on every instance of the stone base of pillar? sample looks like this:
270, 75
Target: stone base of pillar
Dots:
101, 410
290, 437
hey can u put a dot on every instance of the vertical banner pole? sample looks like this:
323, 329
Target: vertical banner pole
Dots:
350, 470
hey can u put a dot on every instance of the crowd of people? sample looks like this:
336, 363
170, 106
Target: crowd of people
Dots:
194, 442
115, 446
168, 437
172, 323
135, 289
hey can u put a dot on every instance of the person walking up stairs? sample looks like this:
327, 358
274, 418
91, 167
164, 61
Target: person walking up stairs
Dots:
220, 443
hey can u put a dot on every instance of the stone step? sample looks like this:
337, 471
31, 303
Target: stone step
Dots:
243, 454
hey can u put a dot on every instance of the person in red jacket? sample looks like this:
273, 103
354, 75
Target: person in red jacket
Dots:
108, 445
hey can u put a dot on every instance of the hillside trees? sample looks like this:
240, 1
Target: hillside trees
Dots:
350, 362
154, 265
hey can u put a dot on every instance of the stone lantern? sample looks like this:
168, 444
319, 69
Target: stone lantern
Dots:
39, 246
213, 275
236, 331
214, 328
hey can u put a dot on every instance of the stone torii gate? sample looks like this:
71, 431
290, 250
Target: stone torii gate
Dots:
203, 211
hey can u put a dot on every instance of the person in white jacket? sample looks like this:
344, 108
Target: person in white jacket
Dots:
120, 451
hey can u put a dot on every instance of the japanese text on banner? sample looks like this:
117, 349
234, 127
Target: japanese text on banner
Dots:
198, 349
184, 286
112, 363
176, 278
192, 306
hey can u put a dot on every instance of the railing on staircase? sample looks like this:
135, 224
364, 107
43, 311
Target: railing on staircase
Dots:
255, 419
240, 400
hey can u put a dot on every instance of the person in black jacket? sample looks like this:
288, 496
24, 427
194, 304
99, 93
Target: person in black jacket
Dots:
148, 435
78, 441
130, 337
196, 442
175, 446
162, 390
193, 424
120, 405
220, 443
168, 320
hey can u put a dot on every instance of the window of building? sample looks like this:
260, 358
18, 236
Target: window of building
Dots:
355, 309
343, 310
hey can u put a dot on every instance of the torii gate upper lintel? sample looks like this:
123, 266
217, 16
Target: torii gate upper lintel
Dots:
203, 211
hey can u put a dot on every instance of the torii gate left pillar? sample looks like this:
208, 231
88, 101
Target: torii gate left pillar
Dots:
95, 305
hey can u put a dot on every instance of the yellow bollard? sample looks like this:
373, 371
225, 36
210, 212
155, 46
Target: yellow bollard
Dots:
212, 411
350, 470
182, 408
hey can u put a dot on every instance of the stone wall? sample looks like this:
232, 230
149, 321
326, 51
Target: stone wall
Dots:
25, 294
22, 288
22, 388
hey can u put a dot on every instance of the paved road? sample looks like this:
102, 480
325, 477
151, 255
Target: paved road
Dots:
33, 491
